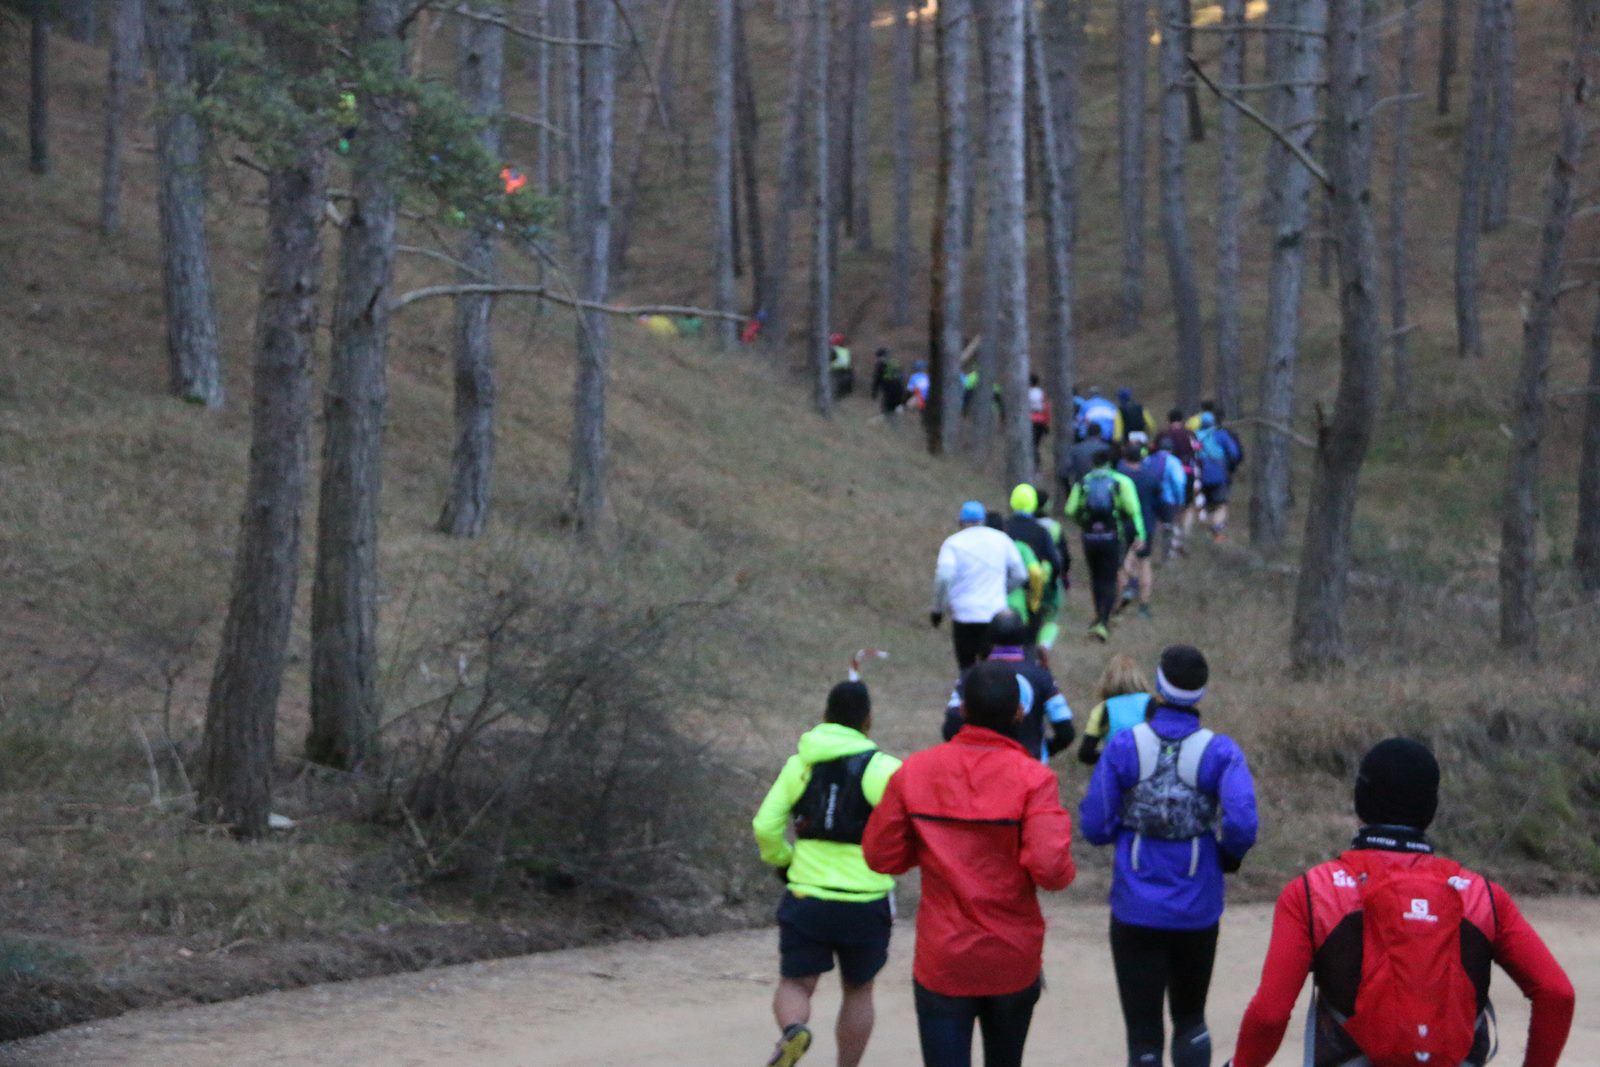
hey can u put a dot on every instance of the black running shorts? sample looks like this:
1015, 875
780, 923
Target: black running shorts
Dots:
811, 932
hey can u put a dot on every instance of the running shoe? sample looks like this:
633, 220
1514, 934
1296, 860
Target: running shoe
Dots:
1144, 611
791, 1046
1099, 632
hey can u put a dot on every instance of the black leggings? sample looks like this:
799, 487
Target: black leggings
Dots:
1164, 965
1104, 557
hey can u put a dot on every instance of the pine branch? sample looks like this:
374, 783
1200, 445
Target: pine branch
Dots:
1261, 120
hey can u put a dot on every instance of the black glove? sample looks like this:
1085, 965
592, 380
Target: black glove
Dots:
1230, 863
935, 618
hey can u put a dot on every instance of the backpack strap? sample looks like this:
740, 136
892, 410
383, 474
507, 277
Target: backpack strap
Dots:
1149, 746
1190, 752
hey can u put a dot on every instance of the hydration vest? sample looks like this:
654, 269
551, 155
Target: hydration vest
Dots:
834, 806
1167, 802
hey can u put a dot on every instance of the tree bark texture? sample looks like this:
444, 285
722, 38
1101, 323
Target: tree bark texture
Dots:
722, 173
569, 110
1061, 34
861, 127
1449, 51
1502, 124
1586, 543
644, 116
234, 784
821, 212
900, 266
543, 142
1189, 344
791, 173
982, 405
1469, 215
954, 39
749, 158
1134, 33
1317, 638
194, 357
591, 502
1303, 67
1399, 192
1191, 94
1230, 197
127, 29
1060, 354
480, 80
39, 89
1277, 54
1519, 514
345, 707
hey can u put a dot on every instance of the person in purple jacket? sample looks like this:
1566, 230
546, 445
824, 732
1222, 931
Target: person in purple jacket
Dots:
1180, 804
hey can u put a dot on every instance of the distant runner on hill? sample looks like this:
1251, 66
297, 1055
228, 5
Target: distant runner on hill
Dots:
1398, 941
840, 367
834, 906
1081, 456
1135, 419
1038, 414
1100, 504
1220, 456
976, 570
1098, 411
1138, 576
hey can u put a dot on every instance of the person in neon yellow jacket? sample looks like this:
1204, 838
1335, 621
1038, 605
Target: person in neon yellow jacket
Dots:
834, 905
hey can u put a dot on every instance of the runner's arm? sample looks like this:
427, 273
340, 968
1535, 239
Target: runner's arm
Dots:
1047, 837
1074, 502
944, 572
1128, 498
1059, 714
1016, 570
772, 818
1289, 955
1100, 812
1236, 790
889, 844
1094, 734
1522, 952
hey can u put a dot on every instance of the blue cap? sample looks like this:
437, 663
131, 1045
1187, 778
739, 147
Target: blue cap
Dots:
1124, 394
972, 511
1207, 420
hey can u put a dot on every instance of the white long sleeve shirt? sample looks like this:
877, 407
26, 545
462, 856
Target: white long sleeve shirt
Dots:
977, 567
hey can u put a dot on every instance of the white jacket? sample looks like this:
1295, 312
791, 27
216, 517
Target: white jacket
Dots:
977, 567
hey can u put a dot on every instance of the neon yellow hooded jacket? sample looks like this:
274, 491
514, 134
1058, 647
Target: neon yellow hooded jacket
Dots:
828, 870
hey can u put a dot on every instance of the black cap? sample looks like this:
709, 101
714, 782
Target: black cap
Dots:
1398, 784
1185, 667
849, 704
1007, 630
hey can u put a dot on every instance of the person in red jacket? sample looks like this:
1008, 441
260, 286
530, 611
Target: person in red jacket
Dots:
1318, 929
983, 819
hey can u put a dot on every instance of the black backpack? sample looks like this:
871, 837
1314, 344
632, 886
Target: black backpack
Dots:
1100, 498
834, 807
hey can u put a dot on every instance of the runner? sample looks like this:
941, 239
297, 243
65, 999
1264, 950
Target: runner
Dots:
1055, 597
840, 370
1182, 444
1124, 701
1220, 456
1025, 529
918, 386
1027, 599
1101, 503
888, 383
976, 569
1157, 792
1045, 710
1098, 411
1174, 491
834, 905
1081, 456
1344, 923
983, 819
1038, 414
1138, 576
1135, 419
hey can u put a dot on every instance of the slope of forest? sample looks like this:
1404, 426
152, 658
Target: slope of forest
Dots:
761, 546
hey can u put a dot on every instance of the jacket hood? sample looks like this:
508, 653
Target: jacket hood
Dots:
830, 741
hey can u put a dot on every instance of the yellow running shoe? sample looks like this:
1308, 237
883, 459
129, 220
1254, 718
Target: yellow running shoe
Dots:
791, 1046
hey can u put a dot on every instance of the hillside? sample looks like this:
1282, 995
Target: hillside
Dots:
118, 508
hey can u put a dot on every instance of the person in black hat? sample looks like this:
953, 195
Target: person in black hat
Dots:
1392, 880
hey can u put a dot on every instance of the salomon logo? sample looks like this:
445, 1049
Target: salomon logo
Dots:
1419, 913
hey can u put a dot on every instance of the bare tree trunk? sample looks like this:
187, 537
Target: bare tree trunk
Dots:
1061, 35
791, 173
543, 152
345, 708
193, 353
1317, 639
633, 162
916, 44
1502, 128
1230, 389
591, 504
821, 212
861, 127
480, 79
569, 110
1399, 191
1277, 55
1191, 94
1586, 543
1303, 67
953, 34
900, 266
749, 156
127, 27
236, 755
39, 88
1519, 525
1134, 32
1469, 217
1449, 50
1059, 352
990, 295
1190, 345
722, 223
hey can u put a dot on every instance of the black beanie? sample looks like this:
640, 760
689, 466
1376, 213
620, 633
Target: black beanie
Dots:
849, 704
1184, 673
1398, 784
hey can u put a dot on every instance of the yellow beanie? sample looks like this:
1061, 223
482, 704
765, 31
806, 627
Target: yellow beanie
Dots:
1025, 498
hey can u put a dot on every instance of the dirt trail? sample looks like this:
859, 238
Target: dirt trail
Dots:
703, 1002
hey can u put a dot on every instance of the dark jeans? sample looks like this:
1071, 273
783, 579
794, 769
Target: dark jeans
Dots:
968, 639
945, 1026
1103, 555
1164, 965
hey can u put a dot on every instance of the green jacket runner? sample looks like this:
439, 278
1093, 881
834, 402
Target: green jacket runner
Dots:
1127, 500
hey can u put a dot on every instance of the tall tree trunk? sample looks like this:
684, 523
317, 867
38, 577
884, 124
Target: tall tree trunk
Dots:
1449, 50
1190, 345
127, 27
991, 292
1134, 32
900, 266
1191, 91
1502, 125
916, 43
1586, 543
791, 173
589, 478
1399, 191
569, 110
345, 708
1317, 639
1059, 351
1277, 53
1519, 522
1303, 63
749, 158
194, 355
1230, 197
543, 142
644, 116
480, 79
39, 88
861, 128
722, 223
1061, 34
821, 212
953, 35
1469, 217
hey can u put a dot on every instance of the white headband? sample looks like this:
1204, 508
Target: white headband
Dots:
1171, 694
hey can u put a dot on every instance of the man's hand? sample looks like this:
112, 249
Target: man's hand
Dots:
1230, 863
935, 618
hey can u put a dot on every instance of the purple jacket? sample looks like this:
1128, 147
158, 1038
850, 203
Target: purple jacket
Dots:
1162, 892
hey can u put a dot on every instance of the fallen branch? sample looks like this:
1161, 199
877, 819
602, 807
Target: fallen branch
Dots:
1287, 431
434, 291
1261, 120
517, 31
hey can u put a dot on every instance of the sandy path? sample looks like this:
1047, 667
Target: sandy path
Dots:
702, 1002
